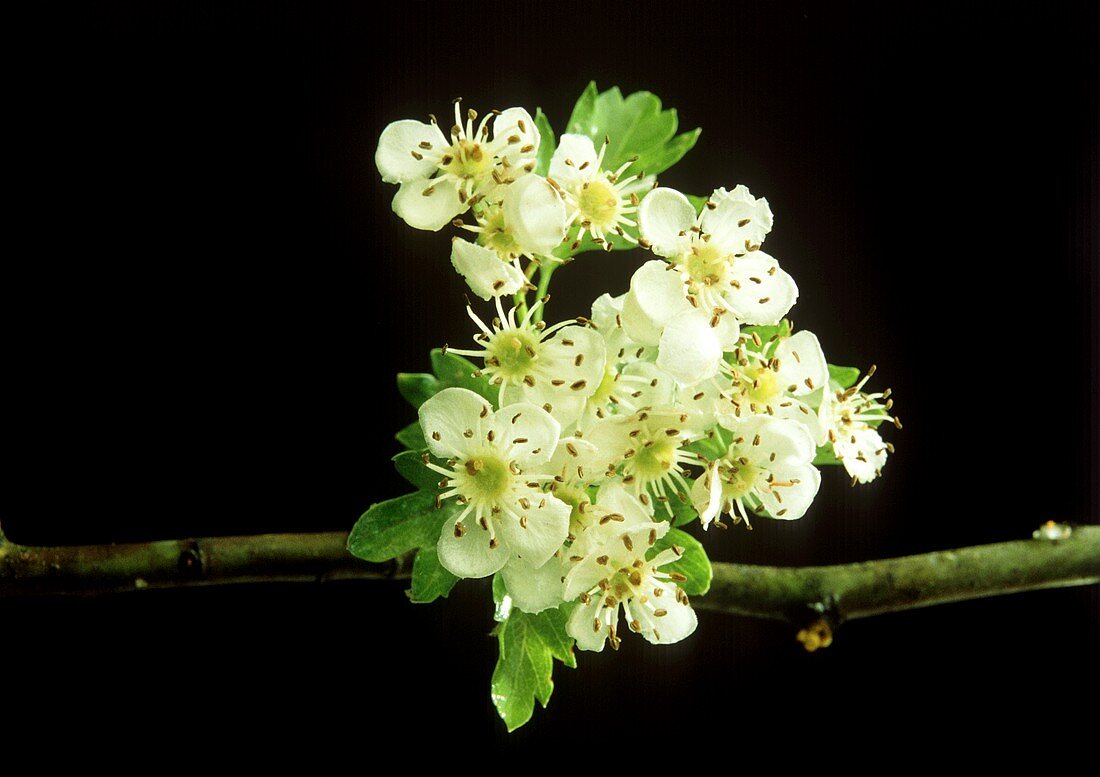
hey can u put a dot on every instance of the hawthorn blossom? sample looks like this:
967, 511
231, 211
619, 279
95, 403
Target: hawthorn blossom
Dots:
492, 469
766, 469
716, 255
847, 416
600, 201
610, 571
440, 175
556, 367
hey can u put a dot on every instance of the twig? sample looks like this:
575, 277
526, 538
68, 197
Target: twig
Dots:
796, 594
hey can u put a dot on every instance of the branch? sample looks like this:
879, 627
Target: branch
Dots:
795, 594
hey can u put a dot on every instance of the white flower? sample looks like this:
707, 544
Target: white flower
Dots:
600, 201
525, 218
716, 255
441, 176
776, 378
610, 570
847, 416
766, 470
649, 447
556, 368
534, 589
689, 340
493, 461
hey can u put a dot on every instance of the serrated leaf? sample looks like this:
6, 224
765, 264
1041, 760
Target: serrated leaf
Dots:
397, 526
825, 456
664, 157
429, 579
453, 370
845, 377
693, 564
637, 126
524, 671
417, 387
547, 143
410, 466
412, 437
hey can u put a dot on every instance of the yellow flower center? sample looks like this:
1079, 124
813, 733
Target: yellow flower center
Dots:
467, 159
600, 204
489, 478
706, 265
512, 352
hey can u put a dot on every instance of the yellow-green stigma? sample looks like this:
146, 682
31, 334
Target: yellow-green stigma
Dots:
599, 204
706, 266
488, 478
496, 236
512, 354
466, 159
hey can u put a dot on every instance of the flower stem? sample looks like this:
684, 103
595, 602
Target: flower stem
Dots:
545, 271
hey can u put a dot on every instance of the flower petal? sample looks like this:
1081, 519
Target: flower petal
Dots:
737, 219
547, 526
587, 627
470, 554
533, 589
764, 292
397, 145
791, 493
638, 326
771, 443
486, 273
659, 292
690, 350
678, 620
427, 204
535, 214
446, 417
614, 496
580, 151
513, 131
526, 433
664, 218
801, 364
584, 575
798, 411
862, 452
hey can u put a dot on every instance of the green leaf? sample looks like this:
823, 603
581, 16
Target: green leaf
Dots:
664, 157
417, 387
547, 144
528, 646
636, 125
845, 377
825, 456
697, 201
768, 332
693, 564
412, 437
453, 370
429, 579
397, 526
682, 511
410, 466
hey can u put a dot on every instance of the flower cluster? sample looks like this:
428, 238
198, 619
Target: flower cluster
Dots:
570, 453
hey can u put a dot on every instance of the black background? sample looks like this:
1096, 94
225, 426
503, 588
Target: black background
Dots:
204, 284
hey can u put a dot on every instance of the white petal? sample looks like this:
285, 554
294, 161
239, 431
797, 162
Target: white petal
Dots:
800, 360
615, 497
706, 496
605, 310
560, 353
637, 325
579, 150
486, 273
584, 575
446, 417
396, 145
678, 622
790, 502
664, 217
533, 589
431, 211
659, 292
526, 433
798, 411
575, 460
547, 526
867, 442
765, 293
771, 443
690, 350
535, 214
737, 217
652, 385
581, 622
515, 123
470, 554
